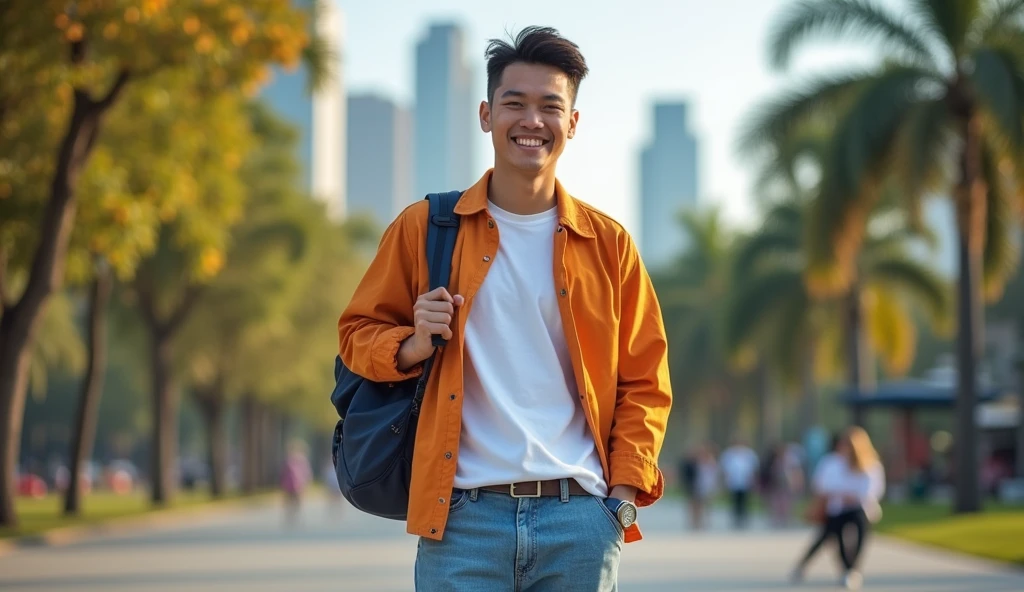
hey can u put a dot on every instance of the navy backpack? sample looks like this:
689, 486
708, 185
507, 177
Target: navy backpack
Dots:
374, 439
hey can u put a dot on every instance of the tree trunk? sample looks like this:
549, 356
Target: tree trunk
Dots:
970, 196
769, 428
249, 442
164, 454
212, 405
809, 391
84, 435
19, 323
858, 356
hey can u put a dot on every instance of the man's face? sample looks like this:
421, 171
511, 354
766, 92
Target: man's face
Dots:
530, 116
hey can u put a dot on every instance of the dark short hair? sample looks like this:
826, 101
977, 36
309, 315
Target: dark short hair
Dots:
535, 45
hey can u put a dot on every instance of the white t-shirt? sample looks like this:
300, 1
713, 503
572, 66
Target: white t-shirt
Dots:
739, 466
521, 418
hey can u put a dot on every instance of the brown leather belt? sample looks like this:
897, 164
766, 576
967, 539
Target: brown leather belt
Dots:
552, 487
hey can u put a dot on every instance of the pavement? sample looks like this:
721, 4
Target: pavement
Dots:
334, 547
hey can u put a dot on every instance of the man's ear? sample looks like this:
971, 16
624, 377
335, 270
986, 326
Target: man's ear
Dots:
485, 117
573, 121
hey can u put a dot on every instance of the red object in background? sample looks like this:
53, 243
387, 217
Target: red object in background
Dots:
31, 486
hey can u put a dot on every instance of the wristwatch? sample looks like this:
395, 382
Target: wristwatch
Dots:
624, 510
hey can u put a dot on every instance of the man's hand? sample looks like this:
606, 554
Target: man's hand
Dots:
432, 315
623, 492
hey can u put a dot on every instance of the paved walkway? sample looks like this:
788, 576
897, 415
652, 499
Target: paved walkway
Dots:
251, 550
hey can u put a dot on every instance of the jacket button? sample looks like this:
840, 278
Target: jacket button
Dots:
486, 258
448, 455
563, 292
452, 396
440, 500
433, 531
559, 229
490, 224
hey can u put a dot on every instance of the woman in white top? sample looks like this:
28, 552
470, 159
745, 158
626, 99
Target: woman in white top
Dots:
859, 495
852, 482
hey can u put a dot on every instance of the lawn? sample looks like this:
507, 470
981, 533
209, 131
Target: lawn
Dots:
997, 533
40, 515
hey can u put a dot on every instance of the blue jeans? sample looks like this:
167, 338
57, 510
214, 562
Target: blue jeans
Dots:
496, 543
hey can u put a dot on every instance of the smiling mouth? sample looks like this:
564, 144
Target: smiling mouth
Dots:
529, 142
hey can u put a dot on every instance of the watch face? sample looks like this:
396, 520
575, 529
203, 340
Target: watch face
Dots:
627, 514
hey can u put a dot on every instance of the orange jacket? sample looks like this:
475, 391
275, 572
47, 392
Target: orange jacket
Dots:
613, 327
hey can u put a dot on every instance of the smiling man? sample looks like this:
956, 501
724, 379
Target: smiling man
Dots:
545, 413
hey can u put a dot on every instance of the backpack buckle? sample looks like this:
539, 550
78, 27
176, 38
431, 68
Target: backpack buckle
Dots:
442, 220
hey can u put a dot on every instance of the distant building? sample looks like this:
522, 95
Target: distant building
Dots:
668, 182
445, 113
319, 118
380, 158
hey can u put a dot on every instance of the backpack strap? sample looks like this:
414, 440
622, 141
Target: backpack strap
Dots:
442, 229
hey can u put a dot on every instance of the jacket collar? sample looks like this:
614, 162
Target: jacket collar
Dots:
570, 213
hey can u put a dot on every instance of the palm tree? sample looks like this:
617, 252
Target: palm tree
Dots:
948, 97
771, 300
693, 291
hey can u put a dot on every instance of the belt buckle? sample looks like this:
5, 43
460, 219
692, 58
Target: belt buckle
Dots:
512, 490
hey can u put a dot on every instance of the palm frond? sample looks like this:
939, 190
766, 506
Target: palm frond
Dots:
1001, 254
794, 330
999, 78
762, 246
1000, 14
320, 57
890, 330
779, 119
924, 152
756, 300
837, 18
894, 273
854, 175
949, 20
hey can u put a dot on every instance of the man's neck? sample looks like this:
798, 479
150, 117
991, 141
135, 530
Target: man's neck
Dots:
522, 194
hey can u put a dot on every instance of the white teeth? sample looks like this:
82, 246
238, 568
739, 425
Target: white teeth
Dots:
529, 142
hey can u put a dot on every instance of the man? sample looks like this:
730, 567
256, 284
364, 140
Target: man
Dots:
546, 410
739, 466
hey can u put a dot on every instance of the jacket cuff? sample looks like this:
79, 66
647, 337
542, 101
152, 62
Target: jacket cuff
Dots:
384, 355
634, 470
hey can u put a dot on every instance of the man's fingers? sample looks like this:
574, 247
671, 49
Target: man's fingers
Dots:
437, 294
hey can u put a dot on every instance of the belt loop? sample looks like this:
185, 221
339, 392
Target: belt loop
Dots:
564, 485
473, 494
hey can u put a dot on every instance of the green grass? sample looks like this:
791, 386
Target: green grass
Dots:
36, 516
995, 533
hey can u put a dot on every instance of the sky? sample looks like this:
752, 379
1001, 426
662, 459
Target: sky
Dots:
711, 54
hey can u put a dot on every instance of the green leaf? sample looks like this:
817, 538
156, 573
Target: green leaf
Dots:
999, 79
758, 299
1001, 254
926, 150
778, 120
902, 274
998, 15
838, 18
949, 20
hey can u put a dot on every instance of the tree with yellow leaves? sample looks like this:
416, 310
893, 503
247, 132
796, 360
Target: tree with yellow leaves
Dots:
64, 66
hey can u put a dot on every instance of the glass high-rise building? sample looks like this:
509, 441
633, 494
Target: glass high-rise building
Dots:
380, 157
668, 183
445, 114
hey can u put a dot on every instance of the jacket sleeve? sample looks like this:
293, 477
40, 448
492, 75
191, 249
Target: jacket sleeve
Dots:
379, 315
644, 396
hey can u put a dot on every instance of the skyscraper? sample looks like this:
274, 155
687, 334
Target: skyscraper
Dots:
319, 116
380, 169
445, 112
668, 182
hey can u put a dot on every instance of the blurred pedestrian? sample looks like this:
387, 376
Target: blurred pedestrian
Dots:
295, 476
783, 482
739, 464
850, 484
